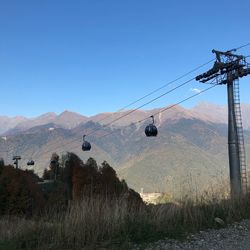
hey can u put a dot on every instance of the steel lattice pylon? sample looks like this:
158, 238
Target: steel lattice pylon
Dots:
227, 69
240, 135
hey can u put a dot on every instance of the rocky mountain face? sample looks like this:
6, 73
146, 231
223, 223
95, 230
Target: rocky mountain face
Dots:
7, 123
218, 114
66, 120
190, 150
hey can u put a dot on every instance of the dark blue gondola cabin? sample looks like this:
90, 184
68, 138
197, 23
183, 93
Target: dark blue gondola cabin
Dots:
86, 146
151, 129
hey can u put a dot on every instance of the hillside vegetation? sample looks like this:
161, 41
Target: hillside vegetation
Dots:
24, 193
79, 205
189, 153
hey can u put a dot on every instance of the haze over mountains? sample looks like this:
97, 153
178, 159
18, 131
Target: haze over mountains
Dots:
191, 144
68, 120
15, 125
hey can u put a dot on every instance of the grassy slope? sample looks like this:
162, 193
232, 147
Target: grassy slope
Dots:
173, 168
184, 147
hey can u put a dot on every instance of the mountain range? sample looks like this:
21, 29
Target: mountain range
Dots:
15, 125
69, 120
190, 150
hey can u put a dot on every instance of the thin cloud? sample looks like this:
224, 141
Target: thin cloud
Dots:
195, 90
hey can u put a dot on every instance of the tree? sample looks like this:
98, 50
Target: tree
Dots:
54, 165
1, 162
19, 192
46, 174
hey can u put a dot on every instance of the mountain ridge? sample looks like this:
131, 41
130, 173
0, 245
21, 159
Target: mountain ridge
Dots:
67, 119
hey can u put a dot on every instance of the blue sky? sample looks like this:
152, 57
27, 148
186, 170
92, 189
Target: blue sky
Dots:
92, 56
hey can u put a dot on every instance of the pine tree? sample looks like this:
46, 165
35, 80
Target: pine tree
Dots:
1, 162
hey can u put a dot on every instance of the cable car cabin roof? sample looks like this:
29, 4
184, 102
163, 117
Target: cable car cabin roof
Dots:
151, 130
86, 146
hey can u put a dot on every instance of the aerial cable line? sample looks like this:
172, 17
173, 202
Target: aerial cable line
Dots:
245, 45
242, 46
62, 145
165, 109
147, 95
130, 112
115, 131
158, 96
167, 84
173, 105
143, 105
154, 91
158, 89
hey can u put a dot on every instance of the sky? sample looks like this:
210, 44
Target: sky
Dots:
92, 56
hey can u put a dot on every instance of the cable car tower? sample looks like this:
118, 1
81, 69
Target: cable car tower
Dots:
227, 69
16, 158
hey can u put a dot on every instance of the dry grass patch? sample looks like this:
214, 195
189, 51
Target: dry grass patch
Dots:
99, 222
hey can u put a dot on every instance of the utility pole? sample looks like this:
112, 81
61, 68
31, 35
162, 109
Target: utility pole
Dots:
16, 159
227, 69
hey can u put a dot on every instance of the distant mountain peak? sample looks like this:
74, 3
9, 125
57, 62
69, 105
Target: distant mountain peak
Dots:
68, 112
45, 116
68, 119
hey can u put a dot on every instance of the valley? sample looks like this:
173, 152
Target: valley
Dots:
189, 153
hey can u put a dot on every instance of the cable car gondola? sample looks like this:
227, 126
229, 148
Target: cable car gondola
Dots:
151, 129
53, 161
86, 146
30, 163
